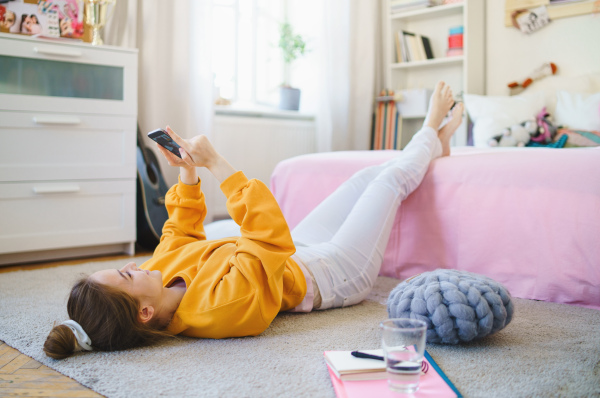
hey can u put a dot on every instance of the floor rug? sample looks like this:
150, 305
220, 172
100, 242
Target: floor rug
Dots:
548, 350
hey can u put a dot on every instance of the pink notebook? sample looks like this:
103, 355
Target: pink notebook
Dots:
434, 383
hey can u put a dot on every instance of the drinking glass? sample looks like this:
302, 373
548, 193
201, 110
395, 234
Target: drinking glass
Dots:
403, 343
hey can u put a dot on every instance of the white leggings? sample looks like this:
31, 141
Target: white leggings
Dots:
343, 240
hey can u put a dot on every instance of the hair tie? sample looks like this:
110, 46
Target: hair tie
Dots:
83, 340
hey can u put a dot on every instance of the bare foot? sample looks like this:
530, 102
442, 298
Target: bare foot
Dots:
446, 132
439, 105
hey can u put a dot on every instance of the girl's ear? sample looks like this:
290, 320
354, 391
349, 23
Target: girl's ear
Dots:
146, 314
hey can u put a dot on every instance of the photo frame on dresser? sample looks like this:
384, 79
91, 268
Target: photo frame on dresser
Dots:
51, 18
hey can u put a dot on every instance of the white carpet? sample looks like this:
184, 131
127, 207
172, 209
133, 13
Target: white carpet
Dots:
547, 350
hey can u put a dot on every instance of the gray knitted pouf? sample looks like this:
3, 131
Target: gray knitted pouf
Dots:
456, 305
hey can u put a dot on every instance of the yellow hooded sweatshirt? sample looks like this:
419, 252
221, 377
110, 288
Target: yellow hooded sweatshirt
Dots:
235, 286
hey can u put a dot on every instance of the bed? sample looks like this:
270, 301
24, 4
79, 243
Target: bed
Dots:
526, 217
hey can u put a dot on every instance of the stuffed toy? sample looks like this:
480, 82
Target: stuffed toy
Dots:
547, 69
546, 130
516, 135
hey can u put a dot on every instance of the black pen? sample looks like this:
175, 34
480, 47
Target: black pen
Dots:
359, 354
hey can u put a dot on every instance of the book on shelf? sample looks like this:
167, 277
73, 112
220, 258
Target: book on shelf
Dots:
434, 383
412, 47
406, 47
397, 6
386, 132
427, 47
405, 2
399, 51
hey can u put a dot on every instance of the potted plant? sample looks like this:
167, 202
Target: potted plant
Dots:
292, 46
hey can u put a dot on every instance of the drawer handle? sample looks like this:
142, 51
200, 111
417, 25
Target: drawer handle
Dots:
71, 120
65, 52
56, 189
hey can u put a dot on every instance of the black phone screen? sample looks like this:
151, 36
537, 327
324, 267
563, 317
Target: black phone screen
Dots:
163, 139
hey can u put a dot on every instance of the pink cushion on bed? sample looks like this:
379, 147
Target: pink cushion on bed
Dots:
526, 217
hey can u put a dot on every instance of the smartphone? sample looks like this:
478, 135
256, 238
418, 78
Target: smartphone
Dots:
163, 139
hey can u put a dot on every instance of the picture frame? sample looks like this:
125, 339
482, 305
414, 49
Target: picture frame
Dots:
50, 18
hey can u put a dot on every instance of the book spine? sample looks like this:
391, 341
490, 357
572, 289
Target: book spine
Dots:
414, 51
373, 120
398, 48
421, 47
378, 126
398, 132
384, 124
427, 47
406, 47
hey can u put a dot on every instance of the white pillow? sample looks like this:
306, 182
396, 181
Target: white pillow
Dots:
578, 111
491, 114
588, 83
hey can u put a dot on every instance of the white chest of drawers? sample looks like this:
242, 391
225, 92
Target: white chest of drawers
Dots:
68, 117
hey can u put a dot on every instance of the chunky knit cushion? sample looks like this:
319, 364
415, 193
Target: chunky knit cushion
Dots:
456, 305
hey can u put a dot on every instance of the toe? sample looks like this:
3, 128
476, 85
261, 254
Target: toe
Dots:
440, 86
446, 93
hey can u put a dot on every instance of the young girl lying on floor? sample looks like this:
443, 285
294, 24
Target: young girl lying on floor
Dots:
236, 286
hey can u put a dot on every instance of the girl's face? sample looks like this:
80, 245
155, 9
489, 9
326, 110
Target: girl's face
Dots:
26, 24
66, 27
9, 19
145, 286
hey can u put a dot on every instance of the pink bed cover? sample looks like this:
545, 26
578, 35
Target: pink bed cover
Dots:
526, 217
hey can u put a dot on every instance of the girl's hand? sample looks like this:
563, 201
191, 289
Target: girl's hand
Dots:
198, 152
187, 173
171, 159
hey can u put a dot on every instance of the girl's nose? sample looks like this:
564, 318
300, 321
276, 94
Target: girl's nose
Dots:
129, 267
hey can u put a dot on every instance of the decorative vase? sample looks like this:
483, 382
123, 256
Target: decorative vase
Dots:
289, 98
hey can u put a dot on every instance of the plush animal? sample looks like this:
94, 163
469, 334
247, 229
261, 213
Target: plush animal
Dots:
516, 135
547, 69
546, 130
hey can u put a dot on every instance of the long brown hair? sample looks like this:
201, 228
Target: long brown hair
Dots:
108, 315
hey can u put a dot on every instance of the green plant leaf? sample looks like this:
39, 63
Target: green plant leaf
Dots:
292, 45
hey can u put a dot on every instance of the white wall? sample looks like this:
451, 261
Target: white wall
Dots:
573, 44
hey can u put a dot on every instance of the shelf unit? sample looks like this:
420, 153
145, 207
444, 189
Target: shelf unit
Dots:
464, 74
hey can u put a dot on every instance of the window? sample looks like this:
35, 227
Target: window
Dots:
247, 63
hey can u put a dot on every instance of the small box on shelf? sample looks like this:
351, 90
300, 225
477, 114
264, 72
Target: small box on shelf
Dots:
455, 41
413, 103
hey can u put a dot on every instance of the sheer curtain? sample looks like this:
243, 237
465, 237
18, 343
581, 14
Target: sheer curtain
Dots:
175, 77
175, 84
349, 76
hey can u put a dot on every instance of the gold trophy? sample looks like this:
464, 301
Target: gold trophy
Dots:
95, 17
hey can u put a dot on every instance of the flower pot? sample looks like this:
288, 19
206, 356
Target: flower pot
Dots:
289, 98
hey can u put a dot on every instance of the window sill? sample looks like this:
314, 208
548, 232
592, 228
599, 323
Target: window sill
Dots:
260, 112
